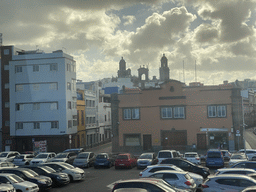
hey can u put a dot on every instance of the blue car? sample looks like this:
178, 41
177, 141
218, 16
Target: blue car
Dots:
103, 160
214, 158
245, 164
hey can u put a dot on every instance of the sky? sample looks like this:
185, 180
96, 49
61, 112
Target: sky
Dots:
207, 41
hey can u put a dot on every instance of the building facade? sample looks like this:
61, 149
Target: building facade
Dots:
176, 116
80, 140
43, 100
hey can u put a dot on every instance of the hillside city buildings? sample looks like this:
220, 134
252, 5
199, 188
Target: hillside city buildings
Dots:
45, 107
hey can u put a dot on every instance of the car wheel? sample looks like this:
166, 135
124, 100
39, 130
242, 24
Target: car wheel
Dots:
70, 178
109, 165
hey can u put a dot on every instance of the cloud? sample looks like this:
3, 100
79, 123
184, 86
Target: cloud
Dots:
130, 19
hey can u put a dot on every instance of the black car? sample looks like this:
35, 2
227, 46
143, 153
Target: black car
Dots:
58, 178
43, 182
188, 166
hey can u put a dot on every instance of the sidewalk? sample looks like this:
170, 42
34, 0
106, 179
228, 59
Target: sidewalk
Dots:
247, 145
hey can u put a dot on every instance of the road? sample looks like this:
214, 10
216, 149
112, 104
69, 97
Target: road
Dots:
250, 137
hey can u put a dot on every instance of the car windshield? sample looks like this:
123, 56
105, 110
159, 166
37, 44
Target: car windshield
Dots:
238, 157
3, 154
19, 157
164, 155
146, 156
48, 169
67, 166
101, 157
213, 155
83, 156
191, 155
30, 173
62, 155
41, 156
122, 157
15, 179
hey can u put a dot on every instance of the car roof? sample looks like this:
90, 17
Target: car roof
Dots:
161, 165
143, 179
6, 174
235, 169
230, 176
166, 151
172, 171
191, 153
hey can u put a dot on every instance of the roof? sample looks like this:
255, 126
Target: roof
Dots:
143, 179
235, 169
172, 171
230, 176
191, 153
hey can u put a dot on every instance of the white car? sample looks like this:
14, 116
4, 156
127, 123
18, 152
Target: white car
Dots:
42, 158
18, 183
165, 154
249, 152
7, 187
178, 179
23, 159
227, 183
147, 172
236, 158
8, 155
193, 157
74, 173
240, 171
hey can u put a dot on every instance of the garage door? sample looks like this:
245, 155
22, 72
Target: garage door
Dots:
174, 139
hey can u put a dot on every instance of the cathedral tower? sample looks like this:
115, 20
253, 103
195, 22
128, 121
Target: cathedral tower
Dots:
164, 69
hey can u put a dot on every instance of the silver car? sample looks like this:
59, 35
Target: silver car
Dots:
227, 183
193, 157
84, 159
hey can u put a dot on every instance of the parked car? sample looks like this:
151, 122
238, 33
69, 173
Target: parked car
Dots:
150, 184
249, 152
245, 164
241, 171
193, 157
8, 155
104, 160
42, 158
18, 183
7, 188
126, 160
7, 164
76, 150
226, 154
225, 183
237, 157
23, 159
58, 178
214, 158
147, 172
43, 182
166, 154
188, 166
181, 180
74, 173
67, 157
146, 159
84, 159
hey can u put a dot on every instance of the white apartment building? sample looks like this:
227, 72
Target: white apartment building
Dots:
43, 99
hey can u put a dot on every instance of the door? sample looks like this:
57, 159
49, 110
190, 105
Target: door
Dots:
201, 141
147, 142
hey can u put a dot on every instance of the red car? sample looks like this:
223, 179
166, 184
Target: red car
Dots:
125, 160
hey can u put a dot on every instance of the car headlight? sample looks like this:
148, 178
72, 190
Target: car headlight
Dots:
41, 181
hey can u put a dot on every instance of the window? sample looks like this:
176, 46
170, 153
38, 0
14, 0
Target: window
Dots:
73, 85
19, 107
36, 106
70, 124
6, 86
54, 124
82, 117
6, 51
179, 112
217, 111
78, 117
54, 67
53, 86
36, 125
7, 104
68, 86
18, 69
166, 112
19, 125
74, 122
19, 88
35, 68
69, 104
68, 67
132, 140
53, 106
133, 113
36, 87
74, 103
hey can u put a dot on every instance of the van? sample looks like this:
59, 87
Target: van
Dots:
166, 154
214, 158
